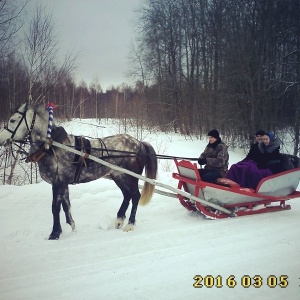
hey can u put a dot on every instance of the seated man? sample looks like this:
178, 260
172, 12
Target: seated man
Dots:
215, 158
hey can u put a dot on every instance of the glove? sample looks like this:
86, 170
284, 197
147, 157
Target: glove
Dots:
202, 161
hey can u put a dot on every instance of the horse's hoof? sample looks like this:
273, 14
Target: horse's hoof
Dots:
53, 237
128, 227
72, 224
119, 223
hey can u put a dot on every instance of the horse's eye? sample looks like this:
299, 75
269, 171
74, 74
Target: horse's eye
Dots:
12, 121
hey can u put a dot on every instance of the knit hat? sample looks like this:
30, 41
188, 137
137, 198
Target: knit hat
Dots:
214, 133
271, 135
260, 132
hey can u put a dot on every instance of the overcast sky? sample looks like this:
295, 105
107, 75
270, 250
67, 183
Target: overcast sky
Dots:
100, 31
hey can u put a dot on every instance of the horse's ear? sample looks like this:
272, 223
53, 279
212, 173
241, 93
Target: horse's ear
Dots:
23, 107
28, 105
31, 105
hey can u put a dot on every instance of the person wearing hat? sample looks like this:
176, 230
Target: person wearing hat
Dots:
270, 149
253, 152
263, 161
215, 158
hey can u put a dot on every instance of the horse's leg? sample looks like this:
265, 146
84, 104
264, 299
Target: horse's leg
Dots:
56, 202
135, 201
60, 196
66, 204
129, 187
121, 215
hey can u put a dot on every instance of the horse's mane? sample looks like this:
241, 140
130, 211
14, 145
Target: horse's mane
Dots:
40, 110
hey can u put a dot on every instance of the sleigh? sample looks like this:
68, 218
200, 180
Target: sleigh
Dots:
233, 200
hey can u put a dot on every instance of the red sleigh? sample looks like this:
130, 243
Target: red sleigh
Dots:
212, 200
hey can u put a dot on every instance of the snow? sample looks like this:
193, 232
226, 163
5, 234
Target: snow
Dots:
159, 259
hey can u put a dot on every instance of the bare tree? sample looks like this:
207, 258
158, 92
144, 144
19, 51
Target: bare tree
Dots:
41, 56
10, 24
41, 62
95, 90
10, 13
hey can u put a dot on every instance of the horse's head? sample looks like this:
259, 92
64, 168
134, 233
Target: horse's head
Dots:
19, 126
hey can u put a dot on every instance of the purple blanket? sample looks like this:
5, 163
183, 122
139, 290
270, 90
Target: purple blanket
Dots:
247, 174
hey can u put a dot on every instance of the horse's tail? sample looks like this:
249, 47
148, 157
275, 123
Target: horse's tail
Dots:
150, 172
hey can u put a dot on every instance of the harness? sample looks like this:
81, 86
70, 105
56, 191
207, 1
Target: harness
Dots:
29, 128
81, 144
84, 145
58, 135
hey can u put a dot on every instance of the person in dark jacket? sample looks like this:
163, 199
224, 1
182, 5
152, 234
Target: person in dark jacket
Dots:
262, 162
215, 158
270, 149
259, 135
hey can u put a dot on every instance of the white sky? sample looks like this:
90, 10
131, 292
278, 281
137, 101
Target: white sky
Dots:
100, 31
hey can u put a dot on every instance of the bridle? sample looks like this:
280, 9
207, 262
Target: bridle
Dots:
29, 128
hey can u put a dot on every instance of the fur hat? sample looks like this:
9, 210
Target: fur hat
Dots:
271, 135
214, 133
260, 132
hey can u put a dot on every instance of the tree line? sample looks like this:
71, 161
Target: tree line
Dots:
196, 65
32, 70
226, 64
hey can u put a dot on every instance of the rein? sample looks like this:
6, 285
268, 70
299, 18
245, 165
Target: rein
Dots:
122, 154
125, 154
134, 154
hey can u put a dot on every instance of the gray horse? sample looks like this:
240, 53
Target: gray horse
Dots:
60, 168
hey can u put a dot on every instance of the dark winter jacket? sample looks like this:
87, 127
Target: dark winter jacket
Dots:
253, 152
269, 155
261, 153
216, 155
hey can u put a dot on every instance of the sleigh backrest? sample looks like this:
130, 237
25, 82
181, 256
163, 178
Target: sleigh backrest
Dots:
289, 161
281, 184
190, 171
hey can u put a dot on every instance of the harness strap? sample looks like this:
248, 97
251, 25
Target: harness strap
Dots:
83, 145
37, 155
23, 114
31, 126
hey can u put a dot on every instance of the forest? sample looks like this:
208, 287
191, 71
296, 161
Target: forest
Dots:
197, 65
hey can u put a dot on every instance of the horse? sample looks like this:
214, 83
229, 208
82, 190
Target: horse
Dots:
60, 168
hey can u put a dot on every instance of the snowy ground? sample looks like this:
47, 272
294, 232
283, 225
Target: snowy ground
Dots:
159, 259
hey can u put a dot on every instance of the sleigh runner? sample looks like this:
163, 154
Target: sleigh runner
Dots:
270, 195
